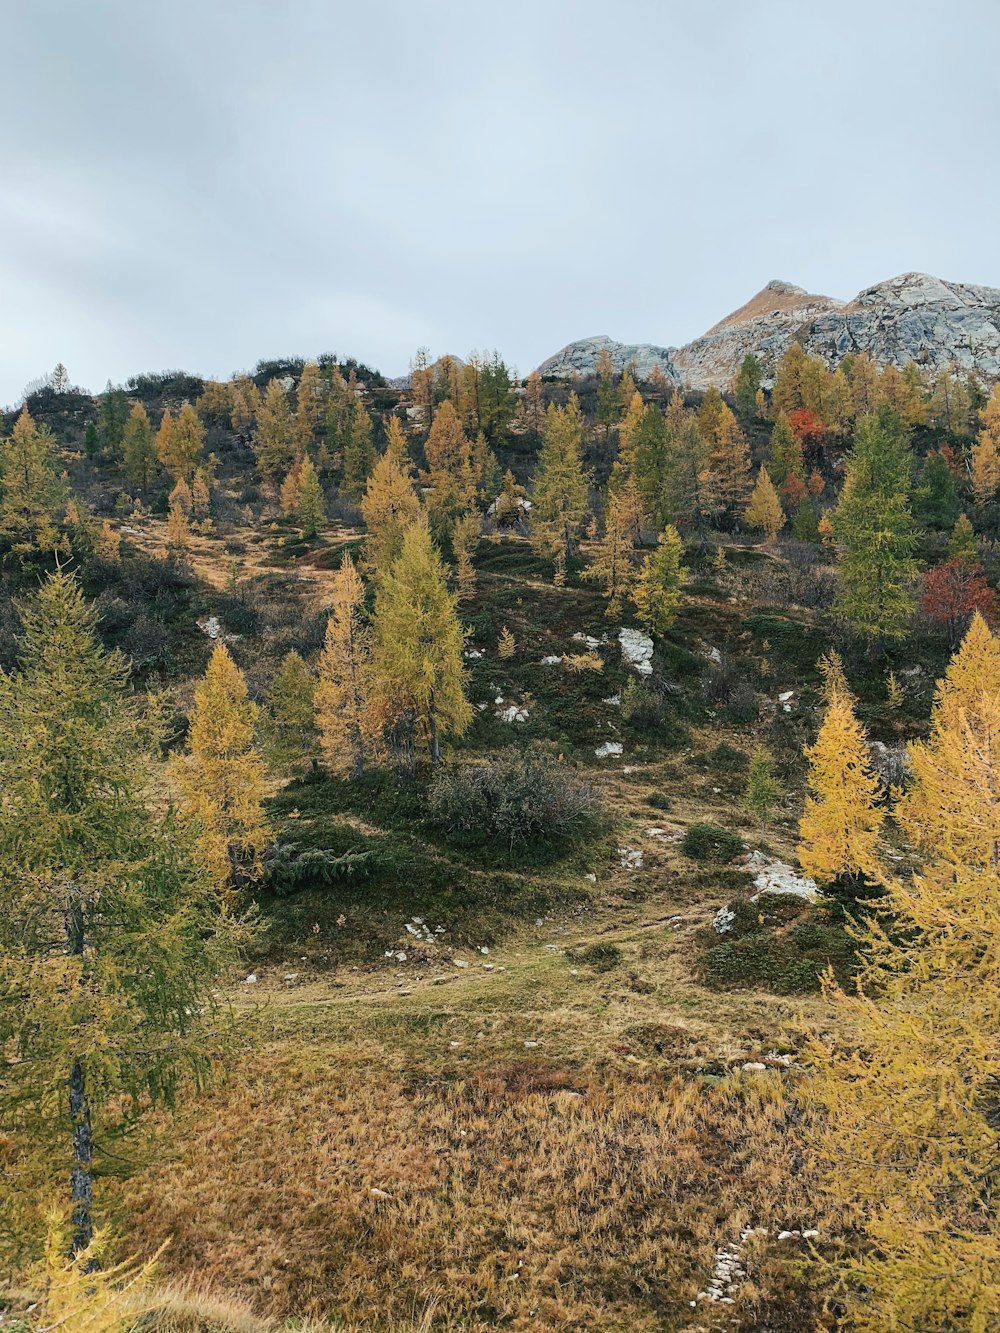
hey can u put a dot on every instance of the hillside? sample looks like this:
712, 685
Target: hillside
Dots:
914, 317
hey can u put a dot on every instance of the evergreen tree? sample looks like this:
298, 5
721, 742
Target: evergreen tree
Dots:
91, 441
902, 1112
310, 503
245, 402
449, 478
179, 443
389, 506
657, 592
805, 525
935, 500
110, 938
221, 775
559, 497
419, 642
310, 408
114, 414
359, 454
764, 510
874, 530
139, 447
288, 717
963, 544
748, 385
273, 443
464, 539
344, 714
787, 459
32, 488
613, 567
840, 825
763, 789
986, 452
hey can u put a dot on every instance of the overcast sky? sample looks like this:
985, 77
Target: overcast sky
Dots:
198, 184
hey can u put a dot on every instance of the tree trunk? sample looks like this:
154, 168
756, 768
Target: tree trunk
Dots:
435, 744
81, 1175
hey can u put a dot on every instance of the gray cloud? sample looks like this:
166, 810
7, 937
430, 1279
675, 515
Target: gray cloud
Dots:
199, 185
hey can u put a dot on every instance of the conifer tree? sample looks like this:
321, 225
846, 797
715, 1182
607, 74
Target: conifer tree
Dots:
32, 487
109, 544
764, 510
729, 460
178, 533
395, 445
986, 452
449, 478
182, 447
613, 567
201, 494
763, 789
644, 460
359, 454
534, 404
419, 642
840, 825
690, 497
221, 775
903, 1112
310, 407
288, 494
273, 442
805, 525
91, 441
245, 400
464, 540
657, 592
963, 544
607, 403
114, 414
506, 645
181, 497
389, 506
485, 470
787, 396
110, 938
874, 530
310, 504
747, 386
935, 500
559, 496
786, 459
139, 448
288, 717
344, 712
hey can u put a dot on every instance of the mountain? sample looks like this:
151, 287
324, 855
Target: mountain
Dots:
913, 317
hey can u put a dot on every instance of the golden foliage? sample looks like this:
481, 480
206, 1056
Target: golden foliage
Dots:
346, 723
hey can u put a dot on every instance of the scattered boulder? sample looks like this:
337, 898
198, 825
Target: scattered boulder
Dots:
637, 650
609, 749
774, 876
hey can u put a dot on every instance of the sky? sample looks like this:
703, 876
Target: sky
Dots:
198, 185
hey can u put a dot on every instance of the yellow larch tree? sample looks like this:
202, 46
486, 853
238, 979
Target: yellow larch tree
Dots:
764, 510
559, 492
449, 479
180, 441
221, 775
344, 715
395, 445
613, 566
245, 399
657, 590
903, 1114
178, 532
842, 820
389, 506
273, 444
310, 407
418, 644
464, 539
986, 451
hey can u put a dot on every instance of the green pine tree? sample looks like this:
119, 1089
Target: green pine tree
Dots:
935, 500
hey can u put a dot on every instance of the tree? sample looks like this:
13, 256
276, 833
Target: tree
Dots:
419, 643
245, 399
310, 407
747, 386
953, 593
787, 459
178, 532
963, 543
395, 445
840, 825
506, 645
114, 414
729, 460
139, 447
613, 567
221, 775
91, 441
359, 454
201, 493
657, 592
310, 503
464, 539
32, 487
534, 404
903, 1114
805, 525
273, 444
935, 500
109, 932
288, 717
559, 494
344, 714
389, 506
986, 451
449, 480
764, 510
874, 530
179, 442
763, 788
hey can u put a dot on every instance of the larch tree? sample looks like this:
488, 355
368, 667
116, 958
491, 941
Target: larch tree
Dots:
310, 503
613, 567
419, 640
874, 530
344, 714
657, 591
764, 510
395, 445
389, 506
288, 717
559, 492
449, 479
729, 461
464, 539
963, 542
310, 407
110, 933
986, 452
359, 454
33, 489
273, 443
180, 450
903, 1117
221, 775
178, 533
534, 404
842, 819
245, 400
747, 386
786, 456
139, 448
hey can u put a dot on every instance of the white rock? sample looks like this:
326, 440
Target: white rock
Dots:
613, 701
608, 749
513, 713
755, 1067
774, 876
251, 980
637, 649
460, 962
630, 858
379, 1194
784, 698
724, 919
552, 660
588, 639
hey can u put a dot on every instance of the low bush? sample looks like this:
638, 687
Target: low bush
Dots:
521, 796
710, 842
601, 957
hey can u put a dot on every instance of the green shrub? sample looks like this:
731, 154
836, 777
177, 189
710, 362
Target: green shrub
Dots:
710, 842
601, 957
521, 796
659, 800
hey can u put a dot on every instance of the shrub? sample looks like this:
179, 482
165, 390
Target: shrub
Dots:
659, 800
710, 842
742, 704
728, 758
521, 796
601, 957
